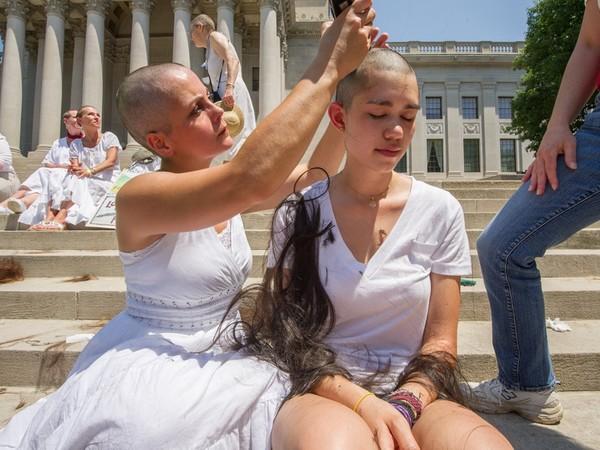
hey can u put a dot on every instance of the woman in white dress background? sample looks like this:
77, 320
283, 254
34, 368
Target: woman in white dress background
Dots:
94, 168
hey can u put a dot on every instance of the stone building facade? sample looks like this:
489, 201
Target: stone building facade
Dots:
61, 54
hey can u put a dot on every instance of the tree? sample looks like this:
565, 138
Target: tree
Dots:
553, 28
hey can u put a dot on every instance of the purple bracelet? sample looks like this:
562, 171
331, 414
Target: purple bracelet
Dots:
402, 410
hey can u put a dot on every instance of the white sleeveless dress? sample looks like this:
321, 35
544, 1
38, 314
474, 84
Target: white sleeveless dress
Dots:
144, 381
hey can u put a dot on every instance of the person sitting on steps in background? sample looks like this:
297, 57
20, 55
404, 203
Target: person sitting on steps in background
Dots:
53, 170
94, 169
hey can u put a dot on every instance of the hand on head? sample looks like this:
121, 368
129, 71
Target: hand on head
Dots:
347, 40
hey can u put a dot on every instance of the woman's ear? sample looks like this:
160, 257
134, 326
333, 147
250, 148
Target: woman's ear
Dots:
337, 115
157, 142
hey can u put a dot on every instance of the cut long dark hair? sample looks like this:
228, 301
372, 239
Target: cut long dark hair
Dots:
286, 318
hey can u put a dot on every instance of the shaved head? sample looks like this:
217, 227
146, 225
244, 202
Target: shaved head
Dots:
145, 97
377, 60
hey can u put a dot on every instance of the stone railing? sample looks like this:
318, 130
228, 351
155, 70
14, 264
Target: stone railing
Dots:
454, 48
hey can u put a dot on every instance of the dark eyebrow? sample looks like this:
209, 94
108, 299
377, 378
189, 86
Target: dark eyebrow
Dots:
388, 103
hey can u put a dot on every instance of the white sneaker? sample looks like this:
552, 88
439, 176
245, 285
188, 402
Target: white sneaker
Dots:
4, 211
491, 397
16, 205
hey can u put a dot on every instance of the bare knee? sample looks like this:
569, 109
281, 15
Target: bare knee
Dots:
311, 422
447, 425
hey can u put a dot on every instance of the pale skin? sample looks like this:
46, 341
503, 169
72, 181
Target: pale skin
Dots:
379, 125
90, 122
25, 194
200, 35
578, 84
188, 194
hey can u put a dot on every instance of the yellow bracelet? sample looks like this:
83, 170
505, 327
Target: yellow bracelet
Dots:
89, 173
361, 399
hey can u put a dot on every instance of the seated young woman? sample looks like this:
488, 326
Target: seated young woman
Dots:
361, 303
154, 377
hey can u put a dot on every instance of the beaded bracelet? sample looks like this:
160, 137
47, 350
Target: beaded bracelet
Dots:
406, 403
409, 397
402, 410
361, 399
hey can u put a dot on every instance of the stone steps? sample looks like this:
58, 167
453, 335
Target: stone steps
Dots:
106, 263
101, 299
30, 344
36, 314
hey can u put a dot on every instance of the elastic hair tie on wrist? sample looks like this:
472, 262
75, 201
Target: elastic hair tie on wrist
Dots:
361, 399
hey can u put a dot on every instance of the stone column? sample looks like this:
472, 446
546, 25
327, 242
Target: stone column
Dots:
51, 93
240, 29
418, 154
140, 33
491, 131
40, 33
456, 156
93, 64
78, 57
11, 91
269, 60
140, 42
225, 17
181, 26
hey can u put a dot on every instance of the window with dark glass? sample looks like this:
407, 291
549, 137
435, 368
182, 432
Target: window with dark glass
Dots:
505, 107
435, 155
402, 165
433, 107
508, 155
470, 108
471, 153
255, 78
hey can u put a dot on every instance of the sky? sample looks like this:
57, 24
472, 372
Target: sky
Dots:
453, 20
457, 20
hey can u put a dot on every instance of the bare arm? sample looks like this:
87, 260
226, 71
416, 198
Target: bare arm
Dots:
577, 86
440, 335
327, 155
223, 48
158, 203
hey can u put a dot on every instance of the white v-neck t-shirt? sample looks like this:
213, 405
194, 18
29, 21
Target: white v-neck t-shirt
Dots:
381, 307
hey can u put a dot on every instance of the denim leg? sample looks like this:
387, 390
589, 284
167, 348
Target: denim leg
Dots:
521, 232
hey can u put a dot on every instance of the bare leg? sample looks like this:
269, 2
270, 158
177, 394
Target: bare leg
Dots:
19, 194
313, 422
447, 425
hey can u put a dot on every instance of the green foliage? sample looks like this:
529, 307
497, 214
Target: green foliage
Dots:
553, 28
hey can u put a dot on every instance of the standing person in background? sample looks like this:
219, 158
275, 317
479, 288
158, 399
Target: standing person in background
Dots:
9, 182
53, 170
534, 219
224, 74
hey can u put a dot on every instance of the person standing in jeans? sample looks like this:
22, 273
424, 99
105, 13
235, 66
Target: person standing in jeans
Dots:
534, 219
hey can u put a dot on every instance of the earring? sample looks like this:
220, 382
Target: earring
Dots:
342, 128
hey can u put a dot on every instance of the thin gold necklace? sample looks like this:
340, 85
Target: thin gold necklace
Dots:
373, 197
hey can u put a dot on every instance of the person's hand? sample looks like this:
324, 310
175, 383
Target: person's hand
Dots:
346, 42
377, 40
80, 171
228, 99
390, 428
556, 141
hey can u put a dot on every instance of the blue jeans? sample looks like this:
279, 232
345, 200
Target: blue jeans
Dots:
521, 232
